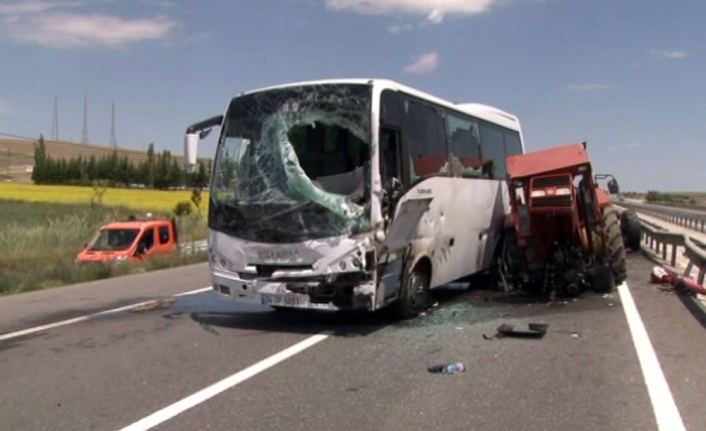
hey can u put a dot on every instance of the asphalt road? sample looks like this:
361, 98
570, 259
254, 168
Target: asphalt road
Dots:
368, 373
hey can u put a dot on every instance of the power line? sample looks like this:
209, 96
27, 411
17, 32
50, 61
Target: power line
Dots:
9, 135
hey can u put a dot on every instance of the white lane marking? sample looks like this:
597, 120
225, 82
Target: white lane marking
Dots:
89, 316
666, 411
203, 395
193, 292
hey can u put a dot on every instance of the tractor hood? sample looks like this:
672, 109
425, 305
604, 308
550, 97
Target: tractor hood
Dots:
547, 161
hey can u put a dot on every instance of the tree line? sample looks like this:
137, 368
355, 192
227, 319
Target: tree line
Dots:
655, 196
159, 171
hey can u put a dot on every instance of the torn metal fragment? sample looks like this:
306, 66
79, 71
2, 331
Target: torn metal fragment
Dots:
535, 330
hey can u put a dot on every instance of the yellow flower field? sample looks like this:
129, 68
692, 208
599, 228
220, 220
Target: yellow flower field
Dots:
139, 199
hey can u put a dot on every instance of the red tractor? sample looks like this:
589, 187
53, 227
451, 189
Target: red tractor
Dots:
563, 236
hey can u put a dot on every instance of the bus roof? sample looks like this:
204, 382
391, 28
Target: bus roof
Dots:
485, 112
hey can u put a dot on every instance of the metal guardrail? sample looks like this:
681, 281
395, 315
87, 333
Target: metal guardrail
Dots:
193, 247
689, 220
658, 238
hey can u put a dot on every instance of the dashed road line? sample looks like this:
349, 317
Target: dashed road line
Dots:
203, 395
87, 317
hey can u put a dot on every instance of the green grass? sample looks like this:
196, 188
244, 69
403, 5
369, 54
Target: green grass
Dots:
40, 242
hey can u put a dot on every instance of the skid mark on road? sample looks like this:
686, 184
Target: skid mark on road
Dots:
203, 395
152, 304
666, 411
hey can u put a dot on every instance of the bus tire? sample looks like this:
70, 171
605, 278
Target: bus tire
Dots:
414, 293
616, 248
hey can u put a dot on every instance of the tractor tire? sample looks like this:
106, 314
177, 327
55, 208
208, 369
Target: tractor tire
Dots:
414, 294
616, 248
631, 228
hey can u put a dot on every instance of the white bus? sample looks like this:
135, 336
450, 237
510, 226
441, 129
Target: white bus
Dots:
353, 193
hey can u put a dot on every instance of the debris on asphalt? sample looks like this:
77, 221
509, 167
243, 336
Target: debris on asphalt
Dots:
208, 328
679, 285
159, 304
447, 368
453, 316
534, 330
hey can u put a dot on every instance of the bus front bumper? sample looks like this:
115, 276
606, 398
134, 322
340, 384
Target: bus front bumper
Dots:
229, 287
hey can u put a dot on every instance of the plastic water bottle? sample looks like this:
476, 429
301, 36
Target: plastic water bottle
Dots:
448, 368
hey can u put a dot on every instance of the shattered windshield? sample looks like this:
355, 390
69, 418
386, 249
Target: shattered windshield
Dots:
114, 239
293, 164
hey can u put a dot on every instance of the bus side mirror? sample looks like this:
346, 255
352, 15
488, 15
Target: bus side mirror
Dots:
191, 146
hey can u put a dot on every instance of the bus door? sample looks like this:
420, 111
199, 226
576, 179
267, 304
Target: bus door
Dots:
390, 170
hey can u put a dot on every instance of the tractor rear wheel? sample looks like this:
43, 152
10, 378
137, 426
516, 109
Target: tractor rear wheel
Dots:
631, 228
616, 247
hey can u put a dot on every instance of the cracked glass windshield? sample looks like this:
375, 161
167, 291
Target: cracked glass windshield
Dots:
293, 164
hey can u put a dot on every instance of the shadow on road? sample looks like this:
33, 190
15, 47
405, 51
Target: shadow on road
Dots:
208, 311
455, 304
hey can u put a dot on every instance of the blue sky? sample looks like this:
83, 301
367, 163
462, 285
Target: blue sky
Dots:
624, 75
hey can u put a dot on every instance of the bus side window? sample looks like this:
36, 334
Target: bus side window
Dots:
493, 150
513, 144
464, 146
427, 141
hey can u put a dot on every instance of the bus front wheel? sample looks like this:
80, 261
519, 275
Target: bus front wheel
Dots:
414, 293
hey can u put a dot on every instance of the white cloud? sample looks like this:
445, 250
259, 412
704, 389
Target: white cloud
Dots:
64, 30
39, 22
673, 55
633, 144
588, 87
424, 64
32, 6
434, 10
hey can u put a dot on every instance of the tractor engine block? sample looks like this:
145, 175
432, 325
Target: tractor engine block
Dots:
566, 272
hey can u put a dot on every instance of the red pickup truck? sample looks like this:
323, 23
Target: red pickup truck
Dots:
132, 240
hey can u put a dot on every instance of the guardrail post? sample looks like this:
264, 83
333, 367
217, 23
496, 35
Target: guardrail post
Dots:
674, 255
701, 276
689, 267
664, 250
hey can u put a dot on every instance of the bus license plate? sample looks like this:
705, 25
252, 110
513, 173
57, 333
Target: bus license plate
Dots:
285, 300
